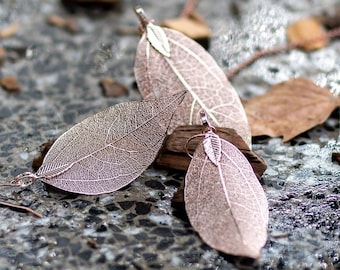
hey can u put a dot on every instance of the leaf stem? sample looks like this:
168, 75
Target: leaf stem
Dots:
27, 209
188, 8
261, 53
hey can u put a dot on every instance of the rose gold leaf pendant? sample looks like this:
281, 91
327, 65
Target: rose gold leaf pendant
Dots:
212, 145
224, 200
168, 61
108, 150
158, 39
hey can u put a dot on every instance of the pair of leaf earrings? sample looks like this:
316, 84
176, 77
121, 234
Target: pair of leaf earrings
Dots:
224, 200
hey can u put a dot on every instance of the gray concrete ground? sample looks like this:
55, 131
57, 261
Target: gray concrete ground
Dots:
137, 227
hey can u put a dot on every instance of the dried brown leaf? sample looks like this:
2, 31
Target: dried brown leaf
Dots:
10, 84
330, 21
192, 26
175, 62
92, 243
94, 6
9, 30
95, 1
44, 148
108, 150
336, 158
68, 24
224, 200
2, 53
290, 108
112, 88
307, 29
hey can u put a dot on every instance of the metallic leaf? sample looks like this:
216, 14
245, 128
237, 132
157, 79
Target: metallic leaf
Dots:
224, 200
191, 68
110, 149
213, 147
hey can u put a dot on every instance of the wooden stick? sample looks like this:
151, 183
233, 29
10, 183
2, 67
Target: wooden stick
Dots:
330, 34
173, 154
188, 8
22, 208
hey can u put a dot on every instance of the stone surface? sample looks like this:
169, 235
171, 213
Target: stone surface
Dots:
138, 227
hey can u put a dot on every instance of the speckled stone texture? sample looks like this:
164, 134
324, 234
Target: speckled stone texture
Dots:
138, 227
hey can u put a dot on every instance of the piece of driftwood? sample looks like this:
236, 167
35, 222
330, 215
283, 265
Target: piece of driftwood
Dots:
173, 153
10, 84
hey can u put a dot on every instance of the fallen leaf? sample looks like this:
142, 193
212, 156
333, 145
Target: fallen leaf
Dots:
2, 53
173, 153
96, 1
92, 243
109, 150
192, 26
336, 158
175, 62
127, 31
95, 6
307, 29
10, 84
44, 148
224, 201
290, 108
9, 30
14, 53
330, 22
112, 88
68, 24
